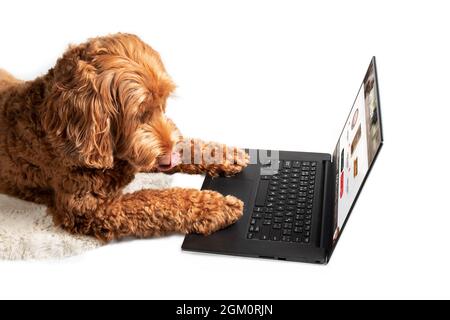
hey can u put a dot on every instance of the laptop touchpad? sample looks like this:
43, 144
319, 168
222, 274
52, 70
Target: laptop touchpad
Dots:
240, 188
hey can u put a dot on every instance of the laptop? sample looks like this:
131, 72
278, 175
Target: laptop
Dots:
296, 204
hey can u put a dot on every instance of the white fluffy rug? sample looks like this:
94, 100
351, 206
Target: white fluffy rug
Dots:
27, 232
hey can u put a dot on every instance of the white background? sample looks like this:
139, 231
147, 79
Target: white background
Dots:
271, 74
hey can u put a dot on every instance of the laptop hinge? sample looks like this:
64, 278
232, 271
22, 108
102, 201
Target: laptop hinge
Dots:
328, 206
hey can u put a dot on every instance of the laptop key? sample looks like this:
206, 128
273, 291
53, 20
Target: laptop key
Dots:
275, 238
275, 235
263, 237
257, 215
262, 193
279, 214
264, 233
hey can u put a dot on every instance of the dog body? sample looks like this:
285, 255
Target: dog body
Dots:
75, 137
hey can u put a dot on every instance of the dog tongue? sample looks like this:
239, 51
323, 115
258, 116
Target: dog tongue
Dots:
169, 161
176, 159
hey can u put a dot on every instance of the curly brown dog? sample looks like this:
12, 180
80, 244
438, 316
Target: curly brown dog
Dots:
75, 137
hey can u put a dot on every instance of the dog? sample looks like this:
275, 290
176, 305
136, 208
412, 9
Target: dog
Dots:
73, 138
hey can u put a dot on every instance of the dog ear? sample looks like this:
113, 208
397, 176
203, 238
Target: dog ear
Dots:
77, 119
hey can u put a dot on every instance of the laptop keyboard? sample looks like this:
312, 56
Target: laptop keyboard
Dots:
284, 204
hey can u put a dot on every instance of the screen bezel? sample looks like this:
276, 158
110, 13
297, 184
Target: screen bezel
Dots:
373, 61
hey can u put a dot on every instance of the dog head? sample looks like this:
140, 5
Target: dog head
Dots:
108, 101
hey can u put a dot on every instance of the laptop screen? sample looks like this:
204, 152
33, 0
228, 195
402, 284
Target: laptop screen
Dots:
357, 148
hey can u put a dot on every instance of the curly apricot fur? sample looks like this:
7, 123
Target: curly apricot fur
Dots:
75, 137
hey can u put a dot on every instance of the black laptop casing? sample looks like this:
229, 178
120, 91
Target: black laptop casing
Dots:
233, 240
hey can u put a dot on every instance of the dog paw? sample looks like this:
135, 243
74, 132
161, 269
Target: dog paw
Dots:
232, 165
242, 158
217, 212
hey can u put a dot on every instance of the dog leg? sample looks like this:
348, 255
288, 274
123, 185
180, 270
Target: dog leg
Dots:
211, 158
147, 213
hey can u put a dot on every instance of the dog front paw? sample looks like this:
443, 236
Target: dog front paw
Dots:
217, 212
236, 160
